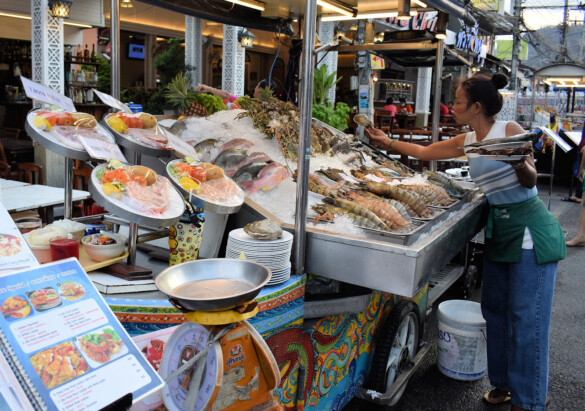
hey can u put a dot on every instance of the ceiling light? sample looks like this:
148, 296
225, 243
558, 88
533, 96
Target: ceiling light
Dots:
378, 15
420, 4
442, 20
69, 23
60, 8
404, 12
16, 16
253, 4
126, 4
338, 7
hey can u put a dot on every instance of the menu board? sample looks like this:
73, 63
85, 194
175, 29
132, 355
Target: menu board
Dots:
15, 253
64, 343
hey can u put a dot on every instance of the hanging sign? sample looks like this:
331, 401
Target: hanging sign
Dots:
181, 146
103, 150
112, 102
39, 92
377, 63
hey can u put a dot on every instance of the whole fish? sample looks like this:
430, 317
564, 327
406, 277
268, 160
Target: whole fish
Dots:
204, 149
240, 143
255, 157
268, 178
249, 172
178, 127
230, 158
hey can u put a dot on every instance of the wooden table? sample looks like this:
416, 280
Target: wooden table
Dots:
31, 197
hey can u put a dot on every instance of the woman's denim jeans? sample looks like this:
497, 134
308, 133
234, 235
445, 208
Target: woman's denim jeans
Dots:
516, 304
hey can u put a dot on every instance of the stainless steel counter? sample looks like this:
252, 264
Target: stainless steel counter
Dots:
377, 262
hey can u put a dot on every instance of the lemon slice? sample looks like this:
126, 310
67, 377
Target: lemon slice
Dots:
112, 191
41, 123
117, 124
189, 185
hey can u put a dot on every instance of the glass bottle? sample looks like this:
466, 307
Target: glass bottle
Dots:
79, 55
68, 53
93, 52
86, 53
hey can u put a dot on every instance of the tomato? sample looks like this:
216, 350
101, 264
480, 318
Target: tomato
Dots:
198, 174
124, 118
49, 115
64, 119
135, 122
139, 179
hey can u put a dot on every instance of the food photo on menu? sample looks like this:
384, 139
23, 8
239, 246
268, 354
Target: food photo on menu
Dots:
59, 364
64, 344
14, 251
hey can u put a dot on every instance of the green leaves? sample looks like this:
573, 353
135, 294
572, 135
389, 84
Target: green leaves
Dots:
322, 84
336, 117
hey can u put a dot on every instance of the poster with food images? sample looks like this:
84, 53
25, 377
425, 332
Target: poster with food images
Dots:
14, 251
67, 341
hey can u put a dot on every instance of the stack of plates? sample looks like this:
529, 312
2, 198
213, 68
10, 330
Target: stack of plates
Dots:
273, 254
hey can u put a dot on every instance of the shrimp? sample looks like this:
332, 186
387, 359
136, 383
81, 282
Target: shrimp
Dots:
412, 199
383, 210
358, 220
356, 209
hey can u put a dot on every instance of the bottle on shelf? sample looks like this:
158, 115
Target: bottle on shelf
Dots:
93, 56
68, 53
79, 54
86, 53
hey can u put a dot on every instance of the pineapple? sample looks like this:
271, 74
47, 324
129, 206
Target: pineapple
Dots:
265, 94
183, 99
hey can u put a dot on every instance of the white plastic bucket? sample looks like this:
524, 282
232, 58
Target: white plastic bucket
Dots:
462, 343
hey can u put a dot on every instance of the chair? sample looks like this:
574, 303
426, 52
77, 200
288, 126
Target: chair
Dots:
3, 154
384, 120
5, 170
28, 171
13, 133
81, 178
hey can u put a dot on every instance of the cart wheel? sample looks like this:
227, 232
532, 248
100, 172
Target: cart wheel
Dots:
396, 347
469, 281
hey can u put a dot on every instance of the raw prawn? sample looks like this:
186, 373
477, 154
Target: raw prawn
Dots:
357, 209
412, 199
358, 220
383, 210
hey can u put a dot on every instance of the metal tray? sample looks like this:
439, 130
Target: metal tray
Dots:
203, 202
122, 210
50, 142
131, 144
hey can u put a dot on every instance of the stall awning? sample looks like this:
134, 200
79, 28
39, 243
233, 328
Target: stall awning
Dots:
562, 75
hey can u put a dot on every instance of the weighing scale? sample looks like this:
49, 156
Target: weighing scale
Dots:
218, 361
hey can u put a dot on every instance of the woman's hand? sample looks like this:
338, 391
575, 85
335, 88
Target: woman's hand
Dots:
377, 137
580, 175
200, 88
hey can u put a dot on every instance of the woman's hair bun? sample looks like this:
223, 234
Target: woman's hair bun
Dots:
499, 80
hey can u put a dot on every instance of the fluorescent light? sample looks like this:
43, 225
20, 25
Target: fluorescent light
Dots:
253, 4
16, 16
68, 23
340, 8
378, 15
20, 16
420, 3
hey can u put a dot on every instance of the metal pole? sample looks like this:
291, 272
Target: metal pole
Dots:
552, 173
437, 98
115, 48
515, 54
532, 102
304, 153
68, 213
133, 229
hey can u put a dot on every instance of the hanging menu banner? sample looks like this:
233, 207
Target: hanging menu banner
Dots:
39, 92
112, 102
65, 345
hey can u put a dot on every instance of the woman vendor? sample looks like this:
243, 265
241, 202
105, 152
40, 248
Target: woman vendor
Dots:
523, 242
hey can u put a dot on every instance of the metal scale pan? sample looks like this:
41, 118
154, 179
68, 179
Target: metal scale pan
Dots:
132, 144
51, 141
170, 216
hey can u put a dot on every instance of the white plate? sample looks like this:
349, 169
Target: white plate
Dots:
240, 234
503, 146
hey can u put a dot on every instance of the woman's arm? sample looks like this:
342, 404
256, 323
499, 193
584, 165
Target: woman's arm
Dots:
582, 166
437, 151
202, 88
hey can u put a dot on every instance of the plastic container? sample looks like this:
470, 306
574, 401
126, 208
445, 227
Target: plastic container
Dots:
62, 248
462, 340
